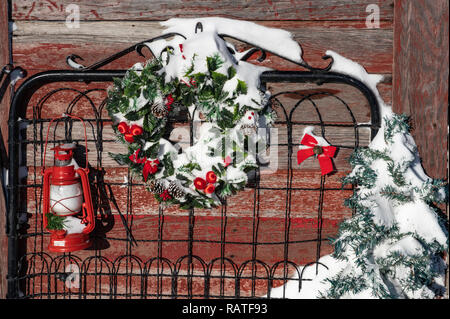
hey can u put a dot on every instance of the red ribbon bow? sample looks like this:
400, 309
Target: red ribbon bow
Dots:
150, 166
324, 153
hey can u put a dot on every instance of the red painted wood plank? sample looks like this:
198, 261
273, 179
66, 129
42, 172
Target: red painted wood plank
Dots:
371, 48
162, 10
272, 199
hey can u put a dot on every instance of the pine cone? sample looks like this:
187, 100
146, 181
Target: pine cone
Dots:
159, 110
176, 190
156, 187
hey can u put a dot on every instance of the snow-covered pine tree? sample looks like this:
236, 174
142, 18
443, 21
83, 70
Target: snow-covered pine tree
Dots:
392, 246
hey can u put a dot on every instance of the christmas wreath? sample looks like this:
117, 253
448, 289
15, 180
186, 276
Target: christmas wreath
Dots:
216, 164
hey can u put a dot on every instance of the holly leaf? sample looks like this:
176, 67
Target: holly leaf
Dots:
132, 116
123, 104
221, 167
225, 118
189, 167
226, 190
199, 77
117, 82
150, 92
121, 159
168, 165
206, 93
213, 63
188, 99
152, 151
241, 87
181, 177
215, 170
219, 79
231, 72
197, 204
131, 84
190, 69
186, 205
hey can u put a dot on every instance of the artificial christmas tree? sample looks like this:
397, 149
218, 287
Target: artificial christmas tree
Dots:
394, 241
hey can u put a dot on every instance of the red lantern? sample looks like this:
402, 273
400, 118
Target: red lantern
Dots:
66, 192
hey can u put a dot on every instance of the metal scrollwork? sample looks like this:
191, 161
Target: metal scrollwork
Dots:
71, 60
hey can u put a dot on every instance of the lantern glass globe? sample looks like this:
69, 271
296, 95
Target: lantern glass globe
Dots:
66, 199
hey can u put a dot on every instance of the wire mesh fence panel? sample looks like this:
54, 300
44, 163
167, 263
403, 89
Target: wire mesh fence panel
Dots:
257, 240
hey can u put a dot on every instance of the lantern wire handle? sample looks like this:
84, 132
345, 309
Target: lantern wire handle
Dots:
64, 115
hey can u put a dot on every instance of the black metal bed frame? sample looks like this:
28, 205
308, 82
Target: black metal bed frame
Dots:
21, 274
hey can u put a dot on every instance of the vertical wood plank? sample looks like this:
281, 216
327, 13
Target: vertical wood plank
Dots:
4, 106
420, 79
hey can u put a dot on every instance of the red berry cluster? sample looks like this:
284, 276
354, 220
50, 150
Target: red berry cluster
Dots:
165, 195
169, 101
129, 132
206, 185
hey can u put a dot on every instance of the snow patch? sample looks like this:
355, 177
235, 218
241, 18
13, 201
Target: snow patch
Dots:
313, 280
277, 41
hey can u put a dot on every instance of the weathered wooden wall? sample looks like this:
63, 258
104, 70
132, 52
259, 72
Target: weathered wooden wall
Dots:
42, 41
107, 27
421, 77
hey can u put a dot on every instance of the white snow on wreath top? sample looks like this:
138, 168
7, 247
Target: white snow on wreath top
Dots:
273, 40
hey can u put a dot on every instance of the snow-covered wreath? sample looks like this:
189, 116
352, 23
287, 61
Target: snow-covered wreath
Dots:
225, 103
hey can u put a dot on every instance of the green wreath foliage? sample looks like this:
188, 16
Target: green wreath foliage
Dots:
145, 99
